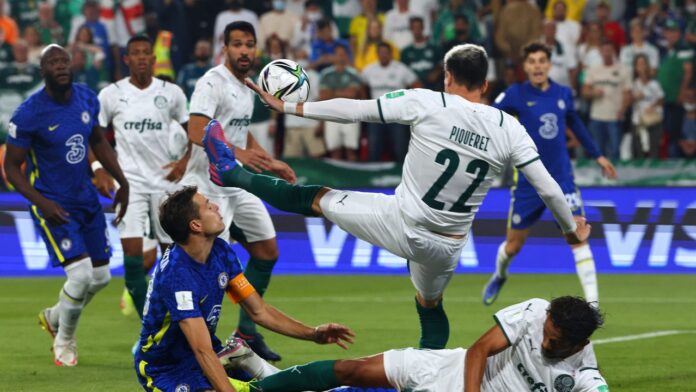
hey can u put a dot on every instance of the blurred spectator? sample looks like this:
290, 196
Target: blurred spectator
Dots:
263, 122
343, 11
567, 30
639, 46
234, 13
612, 29
305, 31
123, 19
279, 21
396, 24
589, 54
674, 75
94, 54
423, 57
687, 143
190, 73
573, 9
303, 136
659, 14
100, 37
200, 15
608, 85
426, 9
274, 49
341, 81
564, 64
444, 28
360, 26
616, 8
6, 56
647, 110
324, 46
500, 85
519, 23
82, 71
171, 19
690, 32
20, 75
33, 39
8, 25
461, 34
388, 75
64, 11
367, 53
24, 12
51, 32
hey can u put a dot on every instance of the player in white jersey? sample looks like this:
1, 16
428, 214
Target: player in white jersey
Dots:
140, 109
458, 147
535, 346
221, 94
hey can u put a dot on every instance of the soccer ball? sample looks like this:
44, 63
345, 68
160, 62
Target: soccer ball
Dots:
285, 79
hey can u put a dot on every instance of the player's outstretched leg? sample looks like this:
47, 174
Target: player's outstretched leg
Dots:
495, 284
225, 171
434, 326
236, 354
585, 267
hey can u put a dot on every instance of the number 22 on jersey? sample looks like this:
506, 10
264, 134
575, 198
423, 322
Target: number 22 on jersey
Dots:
477, 167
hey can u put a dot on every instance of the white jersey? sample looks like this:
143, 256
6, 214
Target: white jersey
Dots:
141, 120
219, 95
457, 149
522, 366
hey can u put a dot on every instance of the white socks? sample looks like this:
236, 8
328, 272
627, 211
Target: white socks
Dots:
585, 267
100, 278
72, 298
502, 261
257, 367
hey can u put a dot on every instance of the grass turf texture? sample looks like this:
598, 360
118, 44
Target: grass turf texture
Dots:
381, 312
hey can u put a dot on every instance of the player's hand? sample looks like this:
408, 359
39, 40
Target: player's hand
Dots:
608, 169
53, 213
255, 160
581, 233
104, 183
272, 102
178, 170
333, 333
120, 204
282, 170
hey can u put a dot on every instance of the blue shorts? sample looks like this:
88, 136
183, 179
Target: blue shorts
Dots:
526, 206
171, 378
85, 232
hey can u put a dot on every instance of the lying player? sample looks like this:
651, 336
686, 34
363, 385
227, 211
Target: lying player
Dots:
534, 346
177, 342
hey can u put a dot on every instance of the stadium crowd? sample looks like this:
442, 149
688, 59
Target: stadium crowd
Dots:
630, 64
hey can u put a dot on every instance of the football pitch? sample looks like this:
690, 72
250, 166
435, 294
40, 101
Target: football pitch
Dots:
648, 342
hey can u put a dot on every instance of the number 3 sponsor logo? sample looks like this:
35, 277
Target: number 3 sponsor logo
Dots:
77, 149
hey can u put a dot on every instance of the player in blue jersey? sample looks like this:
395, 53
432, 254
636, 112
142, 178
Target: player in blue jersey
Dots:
544, 108
53, 129
178, 344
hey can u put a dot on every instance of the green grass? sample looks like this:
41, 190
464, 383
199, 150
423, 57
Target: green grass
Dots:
382, 313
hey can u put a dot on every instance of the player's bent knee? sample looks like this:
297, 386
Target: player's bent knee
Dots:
101, 277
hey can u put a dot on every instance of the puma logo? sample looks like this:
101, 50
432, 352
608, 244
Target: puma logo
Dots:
341, 201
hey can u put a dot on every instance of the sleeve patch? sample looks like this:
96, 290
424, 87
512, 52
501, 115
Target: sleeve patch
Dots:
184, 300
12, 130
395, 94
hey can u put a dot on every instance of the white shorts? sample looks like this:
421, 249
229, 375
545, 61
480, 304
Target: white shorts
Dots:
245, 217
341, 135
142, 217
377, 219
421, 370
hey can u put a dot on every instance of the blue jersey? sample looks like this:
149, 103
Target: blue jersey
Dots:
545, 115
57, 136
182, 288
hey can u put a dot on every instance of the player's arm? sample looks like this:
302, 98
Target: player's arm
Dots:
267, 162
198, 337
102, 180
490, 343
105, 154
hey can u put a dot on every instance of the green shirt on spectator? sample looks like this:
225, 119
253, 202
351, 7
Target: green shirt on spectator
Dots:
422, 59
25, 13
331, 79
670, 73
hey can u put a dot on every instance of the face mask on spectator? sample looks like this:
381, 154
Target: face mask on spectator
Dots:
303, 63
691, 8
313, 16
690, 107
279, 5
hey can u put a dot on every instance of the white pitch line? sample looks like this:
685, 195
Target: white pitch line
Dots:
641, 336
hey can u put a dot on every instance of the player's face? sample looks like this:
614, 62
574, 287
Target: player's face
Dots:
140, 59
537, 66
209, 221
554, 346
241, 51
55, 68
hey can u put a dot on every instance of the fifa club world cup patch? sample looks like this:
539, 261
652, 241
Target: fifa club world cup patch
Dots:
395, 94
184, 300
564, 383
223, 278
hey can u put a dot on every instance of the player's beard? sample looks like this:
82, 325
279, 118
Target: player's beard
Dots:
58, 87
241, 69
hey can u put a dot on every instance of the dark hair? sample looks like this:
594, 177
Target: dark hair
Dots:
468, 65
323, 23
635, 61
241, 26
461, 17
383, 44
310, 3
414, 19
137, 38
342, 46
576, 318
177, 211
535, 47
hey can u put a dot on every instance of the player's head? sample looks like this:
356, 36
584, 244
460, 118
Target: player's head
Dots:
55, 68
466, 66
240, 46
140, 57
187, 213
537, 63
569, 324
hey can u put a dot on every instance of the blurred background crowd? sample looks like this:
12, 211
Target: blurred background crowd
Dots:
629, 63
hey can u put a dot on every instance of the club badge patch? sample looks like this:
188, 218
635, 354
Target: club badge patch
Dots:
564, 383
223, 279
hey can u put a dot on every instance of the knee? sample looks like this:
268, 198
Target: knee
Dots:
428, 302
101, 277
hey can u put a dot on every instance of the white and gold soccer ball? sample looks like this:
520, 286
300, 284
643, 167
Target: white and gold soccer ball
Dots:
285, 79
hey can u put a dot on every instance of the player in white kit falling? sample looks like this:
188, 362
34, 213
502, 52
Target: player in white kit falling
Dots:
140, 109
221, 94
535, 346
458, 147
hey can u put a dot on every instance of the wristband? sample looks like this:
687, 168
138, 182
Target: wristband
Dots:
290, 108
96, 165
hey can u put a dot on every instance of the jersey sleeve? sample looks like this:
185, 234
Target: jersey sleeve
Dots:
105, 112
578, 127
591, 380
204, 99
179, 111
181, 296
405, 106
95, 108
238, 288
506, 101
515, 319
19, 130
523, 149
